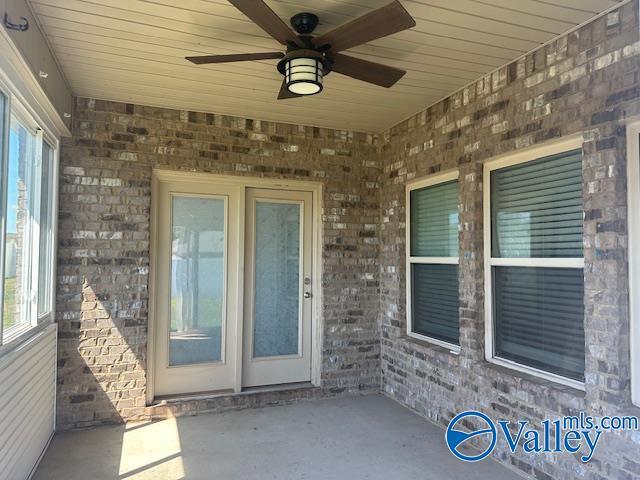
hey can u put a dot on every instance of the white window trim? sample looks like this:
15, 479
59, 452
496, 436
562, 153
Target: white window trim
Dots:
48, 316
633, 189
572, 142
28, 116
416, 184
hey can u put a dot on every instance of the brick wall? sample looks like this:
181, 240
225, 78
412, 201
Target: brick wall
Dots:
103, 257
586, 82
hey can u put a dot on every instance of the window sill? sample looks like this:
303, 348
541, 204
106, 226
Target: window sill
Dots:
432, 343
14, 333
535, 377
20, 338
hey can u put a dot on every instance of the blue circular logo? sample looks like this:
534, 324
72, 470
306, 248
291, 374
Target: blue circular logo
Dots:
457, 437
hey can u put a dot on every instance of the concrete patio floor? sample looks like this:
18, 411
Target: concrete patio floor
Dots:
367, 437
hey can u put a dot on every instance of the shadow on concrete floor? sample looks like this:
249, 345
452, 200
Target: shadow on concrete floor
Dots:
366, 437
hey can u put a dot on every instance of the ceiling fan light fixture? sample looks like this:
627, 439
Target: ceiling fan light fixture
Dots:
303, 75
310, 58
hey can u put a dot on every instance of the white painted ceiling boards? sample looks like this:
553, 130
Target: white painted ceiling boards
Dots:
133, 51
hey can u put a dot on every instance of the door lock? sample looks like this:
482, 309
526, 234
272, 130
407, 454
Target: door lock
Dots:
307, 295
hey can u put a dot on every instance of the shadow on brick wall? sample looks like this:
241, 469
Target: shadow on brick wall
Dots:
101, 358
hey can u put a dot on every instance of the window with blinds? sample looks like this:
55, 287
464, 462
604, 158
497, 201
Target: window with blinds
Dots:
434, 221
432, 267
539, 318
536, 264
536, 208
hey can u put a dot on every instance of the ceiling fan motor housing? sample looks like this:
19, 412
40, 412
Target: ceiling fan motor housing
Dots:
304, 23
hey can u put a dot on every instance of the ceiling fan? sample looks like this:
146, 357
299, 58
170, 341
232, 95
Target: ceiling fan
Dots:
309, 58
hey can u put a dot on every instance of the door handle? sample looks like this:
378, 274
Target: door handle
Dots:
307, 295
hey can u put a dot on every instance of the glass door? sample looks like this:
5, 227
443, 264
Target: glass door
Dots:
232, 292
196, 313
277, 297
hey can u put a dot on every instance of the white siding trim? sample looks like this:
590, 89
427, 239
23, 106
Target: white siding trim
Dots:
27, 404
16, 74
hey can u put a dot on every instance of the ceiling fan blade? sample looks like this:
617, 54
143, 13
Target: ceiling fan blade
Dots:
240, 57
260, 13
284, 92
366, 71
376, 24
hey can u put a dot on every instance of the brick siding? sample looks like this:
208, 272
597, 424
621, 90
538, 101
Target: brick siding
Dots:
103, 256
586, 82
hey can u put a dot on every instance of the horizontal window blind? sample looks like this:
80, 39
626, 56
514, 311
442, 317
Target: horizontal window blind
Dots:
434, 221
539, 318
536, 208
435, 303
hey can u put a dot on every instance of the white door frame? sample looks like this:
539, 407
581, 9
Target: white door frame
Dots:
316, 188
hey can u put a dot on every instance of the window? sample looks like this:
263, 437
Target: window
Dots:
26, 227
535, 265
46, 247
633, 165
432, 260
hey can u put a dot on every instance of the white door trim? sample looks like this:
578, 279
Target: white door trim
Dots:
317, 324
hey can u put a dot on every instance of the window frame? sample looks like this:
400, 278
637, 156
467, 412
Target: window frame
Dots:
47, 315
633, 192
16, 108
417, 184
567, 144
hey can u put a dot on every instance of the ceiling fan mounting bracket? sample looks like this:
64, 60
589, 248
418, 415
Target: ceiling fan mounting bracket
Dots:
304, 23
305, 42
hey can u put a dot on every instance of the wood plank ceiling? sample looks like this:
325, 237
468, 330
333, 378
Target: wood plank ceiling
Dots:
133, 51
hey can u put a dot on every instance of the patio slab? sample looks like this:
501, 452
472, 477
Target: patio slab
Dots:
364, 437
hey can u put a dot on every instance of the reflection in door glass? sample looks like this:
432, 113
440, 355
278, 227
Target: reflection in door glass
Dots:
277, 284
197, 280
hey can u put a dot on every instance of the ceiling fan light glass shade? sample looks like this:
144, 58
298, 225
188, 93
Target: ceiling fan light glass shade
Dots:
303, 76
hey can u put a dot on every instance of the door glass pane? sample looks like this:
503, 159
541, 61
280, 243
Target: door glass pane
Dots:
197, 280
17, 236
277, 279
46, 234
